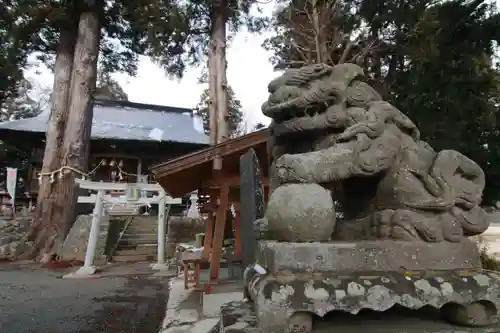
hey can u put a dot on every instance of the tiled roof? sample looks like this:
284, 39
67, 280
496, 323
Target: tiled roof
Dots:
129, 121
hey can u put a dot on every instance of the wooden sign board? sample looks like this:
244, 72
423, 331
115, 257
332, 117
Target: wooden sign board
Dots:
251, 204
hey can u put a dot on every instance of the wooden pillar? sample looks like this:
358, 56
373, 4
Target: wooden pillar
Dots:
266, 195
209, 233
237, 234
220, 223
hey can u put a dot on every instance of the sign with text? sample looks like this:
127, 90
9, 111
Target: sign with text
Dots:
12, 183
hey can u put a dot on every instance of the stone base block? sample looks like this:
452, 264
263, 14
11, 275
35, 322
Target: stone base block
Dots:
159, 267
375, 256
286, 302
82, 273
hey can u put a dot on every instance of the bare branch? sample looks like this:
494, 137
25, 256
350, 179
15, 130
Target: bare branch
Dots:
347, 49
315, 33
361, 56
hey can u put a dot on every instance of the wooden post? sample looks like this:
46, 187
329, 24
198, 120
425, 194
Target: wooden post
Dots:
220, 223
266, 195
209, 234
237, 234
251, 204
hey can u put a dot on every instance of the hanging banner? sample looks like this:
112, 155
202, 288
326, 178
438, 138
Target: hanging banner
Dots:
12, 184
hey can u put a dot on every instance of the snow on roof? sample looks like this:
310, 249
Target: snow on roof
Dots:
129, 121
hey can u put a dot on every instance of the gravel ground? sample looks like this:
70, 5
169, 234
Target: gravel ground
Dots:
34, 300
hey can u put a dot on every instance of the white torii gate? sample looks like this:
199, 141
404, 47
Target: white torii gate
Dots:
125, 205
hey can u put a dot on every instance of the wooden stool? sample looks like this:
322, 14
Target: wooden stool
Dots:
194, 260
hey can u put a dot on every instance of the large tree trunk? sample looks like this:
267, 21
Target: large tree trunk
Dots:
76, 145
221, 67
45, 227
212, 93
60, 210
218, 66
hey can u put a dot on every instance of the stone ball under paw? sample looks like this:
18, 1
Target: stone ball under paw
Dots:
300, 213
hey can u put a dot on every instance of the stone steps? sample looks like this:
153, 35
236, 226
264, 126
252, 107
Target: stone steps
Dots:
101, 242
147, 249
134, 258
100, 259
138, 239
139, 242
143, 229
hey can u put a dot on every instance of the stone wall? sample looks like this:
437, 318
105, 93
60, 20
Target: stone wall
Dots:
12, 243
12, 237
75, 244
182, 230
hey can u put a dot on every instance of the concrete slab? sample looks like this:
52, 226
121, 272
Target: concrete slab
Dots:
213, 302
205, 325
183, 307
187, 313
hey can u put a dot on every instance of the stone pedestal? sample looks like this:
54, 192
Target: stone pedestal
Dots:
291, 282
379, 256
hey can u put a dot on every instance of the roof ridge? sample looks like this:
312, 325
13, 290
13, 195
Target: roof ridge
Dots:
127, 121
141, 106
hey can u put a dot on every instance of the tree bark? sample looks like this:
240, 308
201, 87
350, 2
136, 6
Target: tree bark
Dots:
218, 66
317, 32
45, 224
219, 115
318, 13
57, 214
76, 145
212, 93
219, 36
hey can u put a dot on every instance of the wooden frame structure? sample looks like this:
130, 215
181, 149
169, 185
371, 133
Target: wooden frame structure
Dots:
195, 172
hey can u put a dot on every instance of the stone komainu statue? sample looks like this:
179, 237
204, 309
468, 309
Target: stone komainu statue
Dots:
407, 211
329, 126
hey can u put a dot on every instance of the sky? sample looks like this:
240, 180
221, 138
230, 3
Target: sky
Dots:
248, 73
